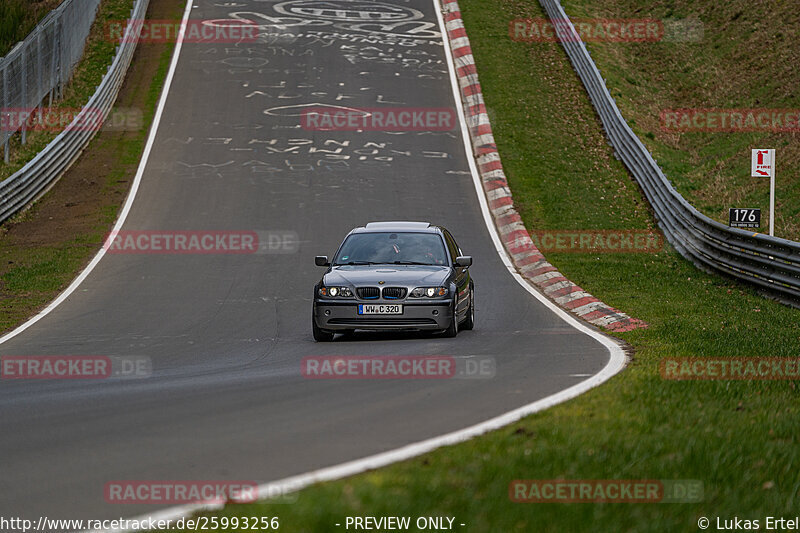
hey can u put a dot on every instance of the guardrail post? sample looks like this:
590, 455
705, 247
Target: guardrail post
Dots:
54, 45
24, 85
39, 81
60, 53
5, 106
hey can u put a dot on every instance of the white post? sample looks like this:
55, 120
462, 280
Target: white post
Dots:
772, 193
762, 163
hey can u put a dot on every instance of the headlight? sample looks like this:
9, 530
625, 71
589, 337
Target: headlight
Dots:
429, 292
336, 292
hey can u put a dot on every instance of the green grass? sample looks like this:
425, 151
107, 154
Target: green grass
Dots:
744, 60
19, 17
739, 438
97, 55
35, 274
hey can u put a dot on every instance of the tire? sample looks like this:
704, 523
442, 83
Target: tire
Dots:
452, 330
469, 322
320, 335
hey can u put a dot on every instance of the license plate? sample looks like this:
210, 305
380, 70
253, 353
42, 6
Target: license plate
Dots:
377, 309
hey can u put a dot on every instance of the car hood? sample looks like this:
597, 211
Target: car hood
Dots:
359, 276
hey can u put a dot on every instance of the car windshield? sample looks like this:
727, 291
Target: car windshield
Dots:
392, 248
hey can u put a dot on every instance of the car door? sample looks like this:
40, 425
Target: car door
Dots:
462, 278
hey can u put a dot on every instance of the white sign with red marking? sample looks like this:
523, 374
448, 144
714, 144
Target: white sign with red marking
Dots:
762, 164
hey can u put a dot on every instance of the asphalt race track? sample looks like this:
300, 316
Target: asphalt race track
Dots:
226, 332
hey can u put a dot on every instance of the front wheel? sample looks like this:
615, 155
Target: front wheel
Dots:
452, 330
320, 335
469, 321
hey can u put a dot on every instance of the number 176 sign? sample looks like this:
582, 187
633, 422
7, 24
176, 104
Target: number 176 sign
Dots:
744, 218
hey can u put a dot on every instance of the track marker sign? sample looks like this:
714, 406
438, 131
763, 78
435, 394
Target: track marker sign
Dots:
762, 165
747, 218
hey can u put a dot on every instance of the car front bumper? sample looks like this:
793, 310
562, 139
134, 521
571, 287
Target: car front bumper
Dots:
424, 315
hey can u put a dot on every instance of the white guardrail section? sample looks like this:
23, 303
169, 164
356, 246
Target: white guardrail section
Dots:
24, 186
769, 263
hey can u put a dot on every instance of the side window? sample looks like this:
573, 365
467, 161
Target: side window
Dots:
452, 247
458, 248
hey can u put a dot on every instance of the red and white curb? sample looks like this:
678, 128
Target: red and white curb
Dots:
527, 258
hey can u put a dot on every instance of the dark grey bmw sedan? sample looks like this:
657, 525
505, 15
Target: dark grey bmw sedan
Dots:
393, 276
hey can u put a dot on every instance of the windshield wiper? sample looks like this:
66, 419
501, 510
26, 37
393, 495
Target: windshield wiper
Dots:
357, 263
411, 263
362, 263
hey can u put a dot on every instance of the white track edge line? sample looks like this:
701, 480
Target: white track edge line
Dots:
616, 362
131, 194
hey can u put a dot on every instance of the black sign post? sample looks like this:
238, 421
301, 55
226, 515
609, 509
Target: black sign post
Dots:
742, 217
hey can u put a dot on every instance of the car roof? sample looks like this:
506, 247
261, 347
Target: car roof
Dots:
398, 226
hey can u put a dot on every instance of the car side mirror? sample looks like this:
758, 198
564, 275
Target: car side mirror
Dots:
321, 261
464, 261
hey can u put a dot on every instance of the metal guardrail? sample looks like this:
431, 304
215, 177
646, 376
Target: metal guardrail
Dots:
42, 63
32, 180
770, 263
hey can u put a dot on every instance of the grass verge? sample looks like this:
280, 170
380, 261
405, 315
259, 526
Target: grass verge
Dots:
19, 17
43, 248
744, 58
739, 438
